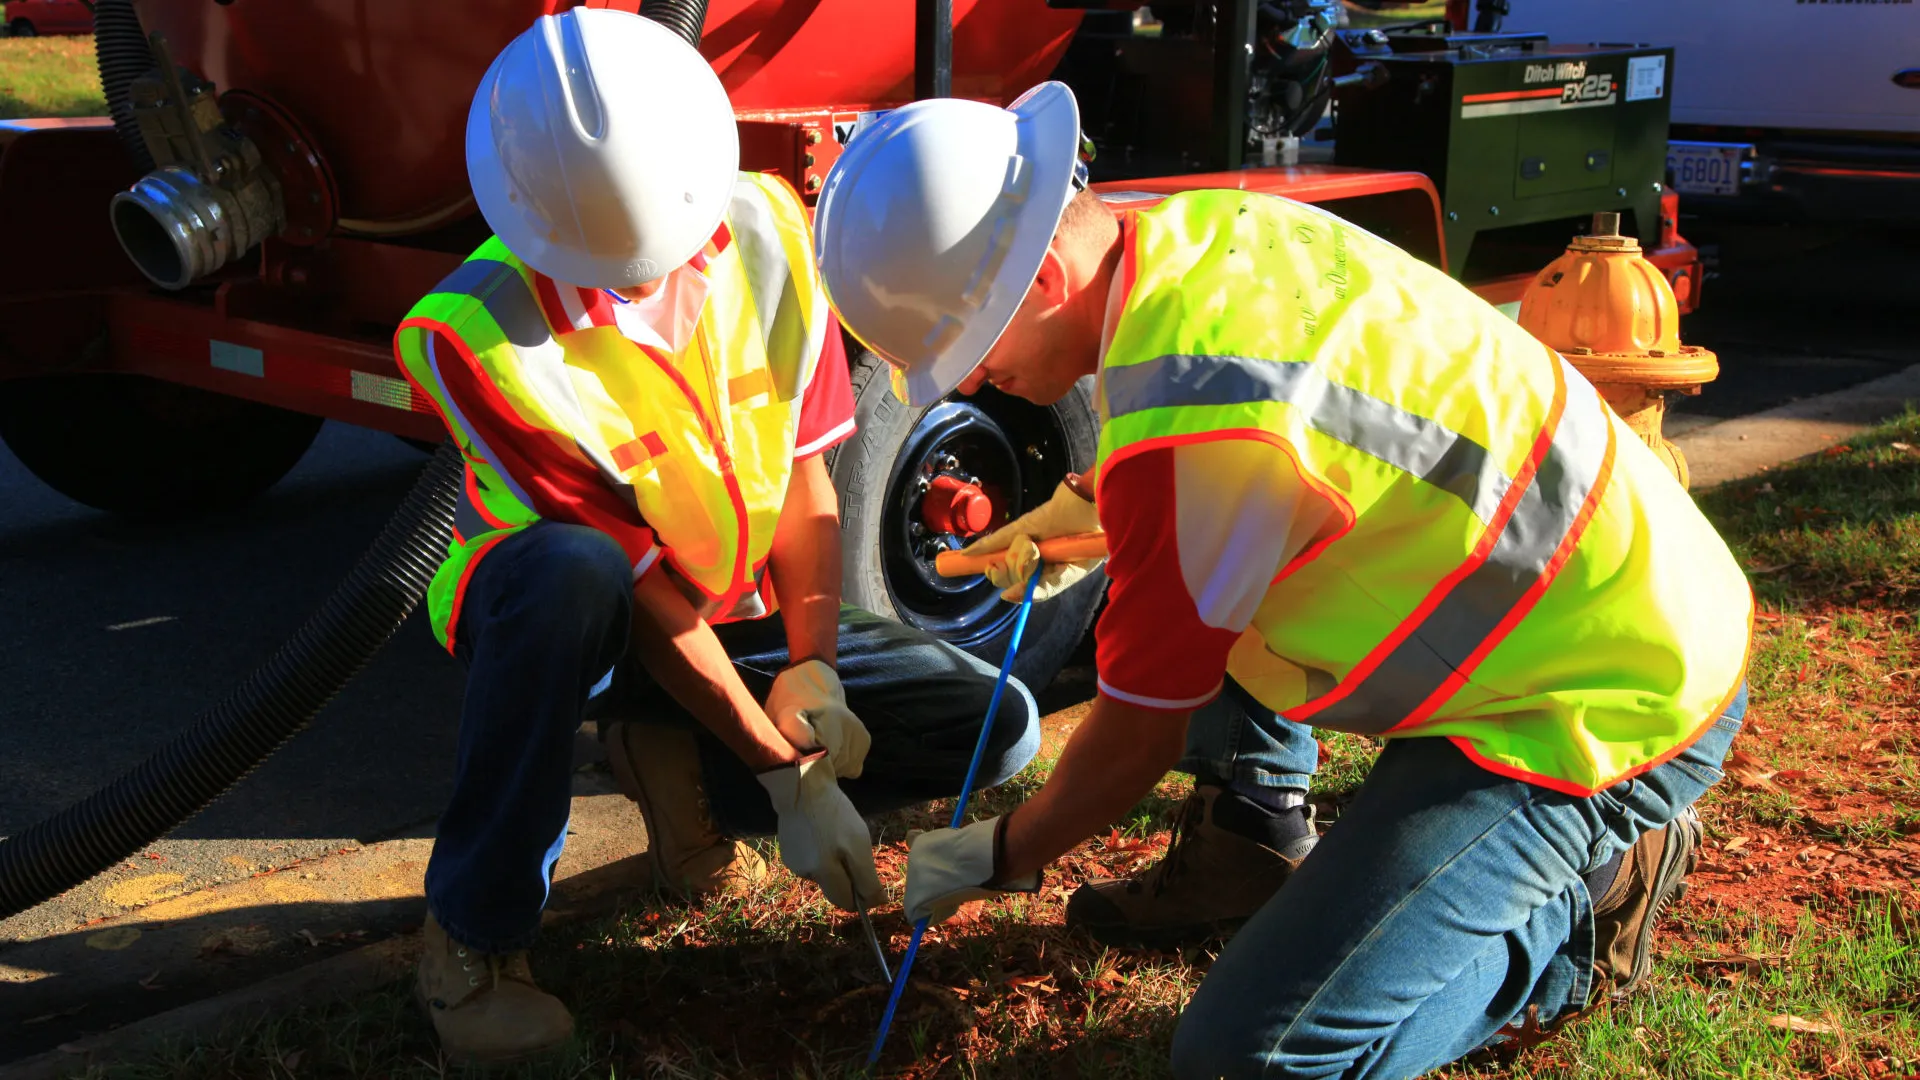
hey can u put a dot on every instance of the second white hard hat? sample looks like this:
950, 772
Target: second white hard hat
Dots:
602, 148
934, 222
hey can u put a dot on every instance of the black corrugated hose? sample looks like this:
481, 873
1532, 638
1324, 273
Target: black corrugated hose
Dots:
121, 48
282, 696
684, 17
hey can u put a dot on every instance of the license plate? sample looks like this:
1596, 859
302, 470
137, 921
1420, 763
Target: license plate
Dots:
1703, 168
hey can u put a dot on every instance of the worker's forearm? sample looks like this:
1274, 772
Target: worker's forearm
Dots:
682, 654
805, 564
1112, 760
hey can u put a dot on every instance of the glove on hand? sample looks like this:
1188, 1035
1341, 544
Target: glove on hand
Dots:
822, 837
1065, 514
949, 867
809, 707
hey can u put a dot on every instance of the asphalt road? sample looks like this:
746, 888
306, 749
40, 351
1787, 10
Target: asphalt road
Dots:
114, 636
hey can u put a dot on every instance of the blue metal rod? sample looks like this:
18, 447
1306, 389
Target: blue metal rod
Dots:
959, 809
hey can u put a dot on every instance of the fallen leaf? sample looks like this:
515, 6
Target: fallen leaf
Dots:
1734, 844
75, 1011
1747, 771
1836, 451
1041, 983
292, 1061
1900, 446
148, 983
308, 935
1790, 774
1772, 569
1798, 1023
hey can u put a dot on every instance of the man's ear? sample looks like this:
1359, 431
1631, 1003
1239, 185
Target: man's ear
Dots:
1051, 282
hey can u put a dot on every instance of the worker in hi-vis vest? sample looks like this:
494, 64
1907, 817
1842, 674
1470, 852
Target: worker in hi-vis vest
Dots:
1339, 491
642, 372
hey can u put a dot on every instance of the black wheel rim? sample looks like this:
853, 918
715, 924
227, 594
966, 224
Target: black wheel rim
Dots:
1016, 452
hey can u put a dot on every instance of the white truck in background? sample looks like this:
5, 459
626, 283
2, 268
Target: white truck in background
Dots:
1803, 110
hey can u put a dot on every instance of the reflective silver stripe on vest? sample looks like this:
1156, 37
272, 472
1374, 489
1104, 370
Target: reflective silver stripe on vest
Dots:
757, 236
1441, 645
508, 299
468, 521
1407, 441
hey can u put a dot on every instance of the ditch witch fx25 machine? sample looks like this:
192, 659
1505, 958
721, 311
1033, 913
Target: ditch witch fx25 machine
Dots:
1523, 139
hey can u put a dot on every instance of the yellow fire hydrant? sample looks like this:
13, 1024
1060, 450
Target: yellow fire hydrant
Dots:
1612, 314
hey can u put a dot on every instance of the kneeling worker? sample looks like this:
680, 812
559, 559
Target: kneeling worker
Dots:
642, 373
1340, 487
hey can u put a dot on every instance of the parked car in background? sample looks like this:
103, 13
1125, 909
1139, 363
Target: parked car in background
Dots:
26, 18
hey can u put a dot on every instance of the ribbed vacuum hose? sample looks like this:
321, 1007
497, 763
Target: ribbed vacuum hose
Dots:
120, 46
270, 706
683, 17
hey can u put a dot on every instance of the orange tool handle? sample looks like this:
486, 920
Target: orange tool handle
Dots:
1073, 548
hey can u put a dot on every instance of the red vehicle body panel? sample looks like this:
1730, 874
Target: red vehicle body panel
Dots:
51, 16
384, 87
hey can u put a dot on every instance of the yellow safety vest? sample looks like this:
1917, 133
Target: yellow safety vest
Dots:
1511, 567
701, 442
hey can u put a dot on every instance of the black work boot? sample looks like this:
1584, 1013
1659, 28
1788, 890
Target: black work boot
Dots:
1228, 856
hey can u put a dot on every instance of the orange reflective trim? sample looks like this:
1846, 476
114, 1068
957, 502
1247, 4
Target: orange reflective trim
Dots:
750, 385
630, 455
1483, 548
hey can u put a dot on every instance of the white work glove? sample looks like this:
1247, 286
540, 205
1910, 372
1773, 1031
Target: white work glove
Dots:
1065, 514
809, 707
949, 867
822, 837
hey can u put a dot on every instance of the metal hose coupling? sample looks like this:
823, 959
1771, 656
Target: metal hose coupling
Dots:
176, 227
212, 197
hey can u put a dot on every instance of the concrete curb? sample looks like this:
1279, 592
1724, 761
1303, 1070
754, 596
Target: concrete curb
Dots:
1739, 448
356, 972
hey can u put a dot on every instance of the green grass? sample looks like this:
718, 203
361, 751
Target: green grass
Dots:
49, 76
1826, 775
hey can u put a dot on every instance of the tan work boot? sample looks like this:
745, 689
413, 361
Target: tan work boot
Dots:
1215, 875
658, 767
1652, 875
485, 1006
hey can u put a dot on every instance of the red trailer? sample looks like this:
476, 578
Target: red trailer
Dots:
291, 179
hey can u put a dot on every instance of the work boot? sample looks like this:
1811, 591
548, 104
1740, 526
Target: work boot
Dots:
1228, 856
485, 1006
658, 767
1652, 875
1643, 880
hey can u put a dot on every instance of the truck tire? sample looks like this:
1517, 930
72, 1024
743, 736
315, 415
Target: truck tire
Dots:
148, 449
22, 28
1018, 451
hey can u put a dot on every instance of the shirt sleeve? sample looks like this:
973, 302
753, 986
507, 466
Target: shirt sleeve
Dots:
1196, 534
544, 477
826, 405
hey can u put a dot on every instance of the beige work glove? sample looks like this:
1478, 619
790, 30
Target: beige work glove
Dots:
809, 707
1065, 514
949, 867
822, 837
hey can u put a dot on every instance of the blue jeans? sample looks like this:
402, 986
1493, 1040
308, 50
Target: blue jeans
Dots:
1444, 902
543, 632
1236, 741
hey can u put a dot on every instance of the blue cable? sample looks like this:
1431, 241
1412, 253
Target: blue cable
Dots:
960, 808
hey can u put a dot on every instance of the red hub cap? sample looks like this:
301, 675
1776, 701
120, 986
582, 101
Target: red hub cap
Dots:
952, 505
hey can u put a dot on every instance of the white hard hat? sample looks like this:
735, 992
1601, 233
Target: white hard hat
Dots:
602, 148
934, 221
